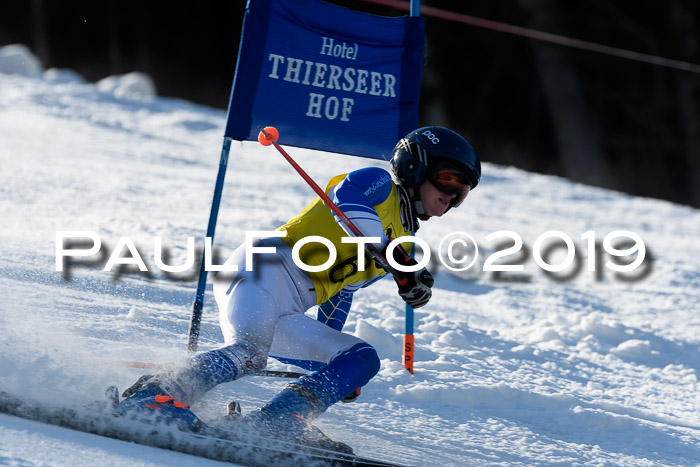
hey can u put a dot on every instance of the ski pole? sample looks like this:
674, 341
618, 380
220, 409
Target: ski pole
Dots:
269, 135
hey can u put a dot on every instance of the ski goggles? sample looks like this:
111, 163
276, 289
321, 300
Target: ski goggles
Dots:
451, 181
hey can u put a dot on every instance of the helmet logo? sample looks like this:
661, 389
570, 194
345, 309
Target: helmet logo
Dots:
405, 145
429, 134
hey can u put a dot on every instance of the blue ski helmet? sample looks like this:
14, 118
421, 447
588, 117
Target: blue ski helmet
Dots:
425, 148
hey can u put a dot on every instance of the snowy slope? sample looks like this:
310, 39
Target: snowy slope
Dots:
585, 371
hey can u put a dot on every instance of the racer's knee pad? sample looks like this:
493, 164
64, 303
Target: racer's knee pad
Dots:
358, 364
349, 370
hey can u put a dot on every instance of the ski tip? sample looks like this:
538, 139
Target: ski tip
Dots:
268, 135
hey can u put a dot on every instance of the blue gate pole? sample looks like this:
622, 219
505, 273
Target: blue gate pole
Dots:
415, 7
408, 341
195, 321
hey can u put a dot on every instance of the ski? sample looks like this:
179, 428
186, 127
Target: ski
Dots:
212, 443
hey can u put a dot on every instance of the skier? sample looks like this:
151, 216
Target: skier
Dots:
261, 312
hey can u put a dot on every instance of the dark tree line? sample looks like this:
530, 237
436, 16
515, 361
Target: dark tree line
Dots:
597, 119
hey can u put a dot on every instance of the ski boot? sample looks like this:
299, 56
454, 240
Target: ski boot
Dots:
147, 401
292, 428
284, 417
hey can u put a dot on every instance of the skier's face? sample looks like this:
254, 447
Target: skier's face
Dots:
435, 202
450, 180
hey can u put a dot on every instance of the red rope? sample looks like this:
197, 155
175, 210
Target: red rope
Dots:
542, 36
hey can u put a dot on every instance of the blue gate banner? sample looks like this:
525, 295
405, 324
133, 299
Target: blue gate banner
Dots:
327, 77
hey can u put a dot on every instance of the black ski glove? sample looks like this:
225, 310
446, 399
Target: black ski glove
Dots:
414, 287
